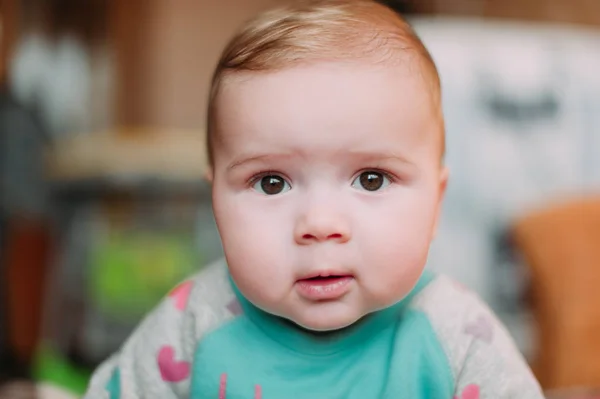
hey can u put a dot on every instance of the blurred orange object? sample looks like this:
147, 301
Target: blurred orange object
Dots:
561, 245
27, 252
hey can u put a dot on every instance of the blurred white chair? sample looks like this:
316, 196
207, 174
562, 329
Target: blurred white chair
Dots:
28, 390
45, 391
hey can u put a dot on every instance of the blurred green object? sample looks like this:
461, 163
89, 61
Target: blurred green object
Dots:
52, 368
132, 270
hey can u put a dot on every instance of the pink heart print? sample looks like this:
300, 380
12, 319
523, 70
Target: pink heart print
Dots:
181, 293
481, 328
234, 307
172, 370
470, 392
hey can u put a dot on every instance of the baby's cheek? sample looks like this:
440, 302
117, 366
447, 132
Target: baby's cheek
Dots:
393, 271
259, 265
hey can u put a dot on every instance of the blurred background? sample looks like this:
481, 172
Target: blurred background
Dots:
103, 207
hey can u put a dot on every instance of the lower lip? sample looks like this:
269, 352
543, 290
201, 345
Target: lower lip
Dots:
324, 289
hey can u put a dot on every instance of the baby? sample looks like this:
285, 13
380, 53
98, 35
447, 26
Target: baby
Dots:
326, 143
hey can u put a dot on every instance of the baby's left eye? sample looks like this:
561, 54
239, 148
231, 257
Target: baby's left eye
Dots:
371, 181
271, 185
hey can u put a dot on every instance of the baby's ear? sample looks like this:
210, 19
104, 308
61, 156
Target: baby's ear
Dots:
444, 175
208, 174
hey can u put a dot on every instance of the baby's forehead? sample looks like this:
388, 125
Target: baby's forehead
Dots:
408, 68
362, 79
343, 100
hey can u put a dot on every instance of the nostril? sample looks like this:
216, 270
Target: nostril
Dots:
335, 236
318, 237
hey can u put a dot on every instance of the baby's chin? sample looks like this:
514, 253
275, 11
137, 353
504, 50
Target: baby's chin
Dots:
335, 317
321, 326
323, 316
324, 321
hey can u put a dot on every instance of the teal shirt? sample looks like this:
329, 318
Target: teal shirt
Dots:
392, 353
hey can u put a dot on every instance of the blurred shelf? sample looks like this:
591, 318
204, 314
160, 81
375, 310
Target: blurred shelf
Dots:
128, 155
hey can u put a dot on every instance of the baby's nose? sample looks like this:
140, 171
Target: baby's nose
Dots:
320, 226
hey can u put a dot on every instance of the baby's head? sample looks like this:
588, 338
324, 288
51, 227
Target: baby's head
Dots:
326, 139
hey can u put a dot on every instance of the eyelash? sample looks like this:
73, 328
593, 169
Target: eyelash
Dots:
392, 178
255, 178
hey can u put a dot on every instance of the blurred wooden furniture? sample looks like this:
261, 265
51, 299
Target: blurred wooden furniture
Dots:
576, 12
561, 245
9, 24
165, 52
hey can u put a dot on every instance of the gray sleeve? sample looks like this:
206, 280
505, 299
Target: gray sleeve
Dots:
492, 364
483, 357
156, 361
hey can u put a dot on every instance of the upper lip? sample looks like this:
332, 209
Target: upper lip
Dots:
326, 273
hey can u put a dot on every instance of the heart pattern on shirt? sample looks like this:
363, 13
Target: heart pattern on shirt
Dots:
172, 370
181, 294
470, 392
481, 328
234, 307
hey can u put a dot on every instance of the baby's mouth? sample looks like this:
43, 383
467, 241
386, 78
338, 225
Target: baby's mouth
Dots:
324, 287
325, 280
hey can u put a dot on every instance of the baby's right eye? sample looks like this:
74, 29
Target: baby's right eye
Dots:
271, 185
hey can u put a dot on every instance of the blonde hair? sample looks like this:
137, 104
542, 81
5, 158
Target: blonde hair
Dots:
318, 30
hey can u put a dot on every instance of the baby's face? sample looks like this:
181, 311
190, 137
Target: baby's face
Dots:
326, 188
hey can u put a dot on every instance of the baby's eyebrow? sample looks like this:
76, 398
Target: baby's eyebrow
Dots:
255, 158
381, 156
363, 156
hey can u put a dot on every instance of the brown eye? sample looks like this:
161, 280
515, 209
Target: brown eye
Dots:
272, 185
371, 181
